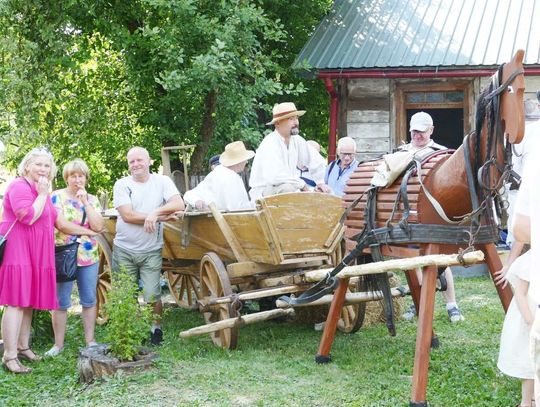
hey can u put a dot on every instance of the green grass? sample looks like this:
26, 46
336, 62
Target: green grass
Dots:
274, 366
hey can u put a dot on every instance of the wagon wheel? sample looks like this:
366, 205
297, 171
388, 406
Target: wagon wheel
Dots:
215, 283
104, 279
183, 286
352, 316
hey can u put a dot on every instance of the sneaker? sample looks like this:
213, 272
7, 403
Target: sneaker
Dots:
410, 313
53, 352
156, 337
455, 315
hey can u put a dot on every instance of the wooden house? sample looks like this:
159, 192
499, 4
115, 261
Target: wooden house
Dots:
384, 60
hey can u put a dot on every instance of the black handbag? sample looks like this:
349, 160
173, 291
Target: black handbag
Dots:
3, 241
65, 257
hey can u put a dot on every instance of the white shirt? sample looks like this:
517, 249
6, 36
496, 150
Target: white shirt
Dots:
222, 186
522, 151
275, 163
423, 151
528, 204
144, 197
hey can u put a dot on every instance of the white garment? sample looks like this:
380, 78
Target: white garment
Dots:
275, 164
514, 356
144, 197
422, 151
522, 151
222, 186
528, 204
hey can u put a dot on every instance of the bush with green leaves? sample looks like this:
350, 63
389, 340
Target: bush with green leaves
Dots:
128, 322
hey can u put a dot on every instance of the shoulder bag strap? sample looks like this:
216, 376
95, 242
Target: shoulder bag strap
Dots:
11, 227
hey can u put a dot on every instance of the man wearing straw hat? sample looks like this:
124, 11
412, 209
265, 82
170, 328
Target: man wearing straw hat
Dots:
274, 169
223, 185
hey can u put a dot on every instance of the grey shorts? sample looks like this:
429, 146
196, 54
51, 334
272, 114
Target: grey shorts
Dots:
144, 266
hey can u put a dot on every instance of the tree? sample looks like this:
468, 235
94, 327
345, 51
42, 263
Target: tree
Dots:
92, 78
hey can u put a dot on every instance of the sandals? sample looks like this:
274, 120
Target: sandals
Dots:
13, 365
28, 354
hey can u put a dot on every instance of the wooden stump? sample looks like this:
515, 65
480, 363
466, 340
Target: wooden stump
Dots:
95, 362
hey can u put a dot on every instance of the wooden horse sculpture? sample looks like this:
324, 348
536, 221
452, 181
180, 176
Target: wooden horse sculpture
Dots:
465, 182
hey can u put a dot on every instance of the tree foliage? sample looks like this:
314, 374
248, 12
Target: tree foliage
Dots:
91, 78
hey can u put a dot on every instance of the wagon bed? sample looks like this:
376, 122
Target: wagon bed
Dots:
215, 260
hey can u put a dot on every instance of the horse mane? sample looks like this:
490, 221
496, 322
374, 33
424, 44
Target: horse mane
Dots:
485, 114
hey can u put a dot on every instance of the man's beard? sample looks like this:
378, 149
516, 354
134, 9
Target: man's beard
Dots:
295, 131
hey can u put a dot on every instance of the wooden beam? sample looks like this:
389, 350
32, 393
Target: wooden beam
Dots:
350, 298
232, 322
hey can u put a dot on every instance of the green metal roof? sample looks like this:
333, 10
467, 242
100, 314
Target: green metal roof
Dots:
376, 34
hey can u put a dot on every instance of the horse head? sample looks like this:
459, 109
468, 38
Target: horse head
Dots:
511, 101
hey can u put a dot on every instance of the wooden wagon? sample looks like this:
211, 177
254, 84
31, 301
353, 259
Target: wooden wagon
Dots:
215, 261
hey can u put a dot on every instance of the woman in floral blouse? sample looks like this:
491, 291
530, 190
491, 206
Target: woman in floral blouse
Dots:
73, 202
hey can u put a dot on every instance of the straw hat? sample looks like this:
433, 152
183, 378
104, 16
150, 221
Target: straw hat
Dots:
235, 153
283, 111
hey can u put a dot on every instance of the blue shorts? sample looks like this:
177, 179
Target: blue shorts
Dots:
87, 278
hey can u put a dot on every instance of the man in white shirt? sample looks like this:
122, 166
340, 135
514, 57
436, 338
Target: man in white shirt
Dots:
223, 185
281, 152
143, 200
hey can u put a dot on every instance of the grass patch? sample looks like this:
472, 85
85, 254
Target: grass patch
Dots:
274, 366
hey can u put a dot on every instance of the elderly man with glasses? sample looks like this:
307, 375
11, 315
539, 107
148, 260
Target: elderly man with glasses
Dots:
339, 171
421, 128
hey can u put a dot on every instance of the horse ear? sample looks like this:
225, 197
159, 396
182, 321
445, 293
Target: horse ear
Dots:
518, 57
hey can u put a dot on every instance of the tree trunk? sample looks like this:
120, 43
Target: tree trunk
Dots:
95, 362
207, 131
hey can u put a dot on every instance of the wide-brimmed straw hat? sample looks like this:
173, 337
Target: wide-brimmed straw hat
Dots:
283, 111
235, 153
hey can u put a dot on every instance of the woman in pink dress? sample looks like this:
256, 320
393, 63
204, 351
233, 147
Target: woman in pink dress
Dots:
27, 273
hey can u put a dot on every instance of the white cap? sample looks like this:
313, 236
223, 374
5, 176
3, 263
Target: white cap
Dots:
421, 121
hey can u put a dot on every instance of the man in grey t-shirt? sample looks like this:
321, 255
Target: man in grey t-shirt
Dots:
143, 200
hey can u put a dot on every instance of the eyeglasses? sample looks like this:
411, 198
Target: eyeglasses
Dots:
347, 154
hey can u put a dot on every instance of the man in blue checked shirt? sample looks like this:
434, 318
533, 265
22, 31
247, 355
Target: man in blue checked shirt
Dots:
339, 171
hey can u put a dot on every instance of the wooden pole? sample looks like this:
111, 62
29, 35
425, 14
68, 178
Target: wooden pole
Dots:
323, 355
398, 264
262, 293
232, 322
494, 264
424, 332
350, 298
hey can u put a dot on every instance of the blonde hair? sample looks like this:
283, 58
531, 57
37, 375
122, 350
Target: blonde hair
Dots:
31, 156
76, 166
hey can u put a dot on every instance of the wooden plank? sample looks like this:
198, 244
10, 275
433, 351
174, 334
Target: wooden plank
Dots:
269, 229
247, 269
368, 116
228, 233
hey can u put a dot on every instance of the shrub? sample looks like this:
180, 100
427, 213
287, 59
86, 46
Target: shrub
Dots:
128, 322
